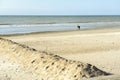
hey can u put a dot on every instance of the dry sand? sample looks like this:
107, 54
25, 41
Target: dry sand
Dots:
11, 71
100, 47
46, 66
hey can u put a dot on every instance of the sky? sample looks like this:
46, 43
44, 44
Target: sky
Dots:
59, 7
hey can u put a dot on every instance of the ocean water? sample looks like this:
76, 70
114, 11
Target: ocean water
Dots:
29, 24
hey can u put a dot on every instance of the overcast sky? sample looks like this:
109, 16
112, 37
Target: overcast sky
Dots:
59, 7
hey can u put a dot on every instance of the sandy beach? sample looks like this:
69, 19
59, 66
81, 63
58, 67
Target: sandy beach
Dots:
99, 47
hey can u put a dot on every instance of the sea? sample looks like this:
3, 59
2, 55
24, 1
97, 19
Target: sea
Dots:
22, 24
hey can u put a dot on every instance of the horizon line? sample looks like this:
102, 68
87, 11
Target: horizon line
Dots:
52, 15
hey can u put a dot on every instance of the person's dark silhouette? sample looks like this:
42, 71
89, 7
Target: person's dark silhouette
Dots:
78, 27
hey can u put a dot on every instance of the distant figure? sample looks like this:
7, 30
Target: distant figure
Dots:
78, 27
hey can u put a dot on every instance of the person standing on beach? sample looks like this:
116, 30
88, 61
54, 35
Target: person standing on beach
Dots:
78, 27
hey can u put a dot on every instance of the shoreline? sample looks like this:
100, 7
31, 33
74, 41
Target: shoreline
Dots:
81, 31
19, 29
